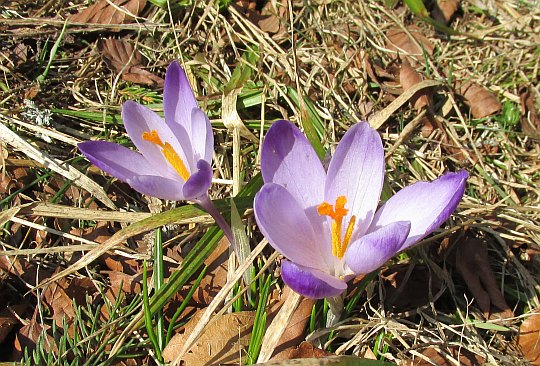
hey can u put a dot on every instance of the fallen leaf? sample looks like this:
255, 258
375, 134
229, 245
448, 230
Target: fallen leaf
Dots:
294, 334
480, 100
122, 57
444, 10
110, 12
530, 104
304, 350
407, 289
439, 357
529, 337
409, 77
413, 45
224, 341
472, 263
271, 18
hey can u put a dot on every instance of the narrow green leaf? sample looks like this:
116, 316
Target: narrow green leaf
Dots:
242, 72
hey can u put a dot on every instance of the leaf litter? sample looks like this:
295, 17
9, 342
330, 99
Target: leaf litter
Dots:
349, 62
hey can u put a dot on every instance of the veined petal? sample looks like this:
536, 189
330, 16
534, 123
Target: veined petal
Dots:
356, 171
372, 250
117, 160
202, 138
288, 159
199, 182
310, 282
178, 98
285, 224
425, 204
139, 119
160, 187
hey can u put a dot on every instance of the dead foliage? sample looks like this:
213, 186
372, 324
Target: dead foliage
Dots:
110, 12
122, 58
480, 100
529, 337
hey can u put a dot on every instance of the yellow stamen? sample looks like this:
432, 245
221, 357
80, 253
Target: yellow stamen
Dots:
337, 212
168, 152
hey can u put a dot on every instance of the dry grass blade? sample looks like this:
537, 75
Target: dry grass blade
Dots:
277, 327
60, 211
216, 302
59, 167
382, 116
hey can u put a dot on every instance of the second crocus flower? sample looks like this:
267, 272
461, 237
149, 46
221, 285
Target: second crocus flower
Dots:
327, 224
175, 155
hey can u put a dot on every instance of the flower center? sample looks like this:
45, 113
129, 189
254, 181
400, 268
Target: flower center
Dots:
168, 152
337, 212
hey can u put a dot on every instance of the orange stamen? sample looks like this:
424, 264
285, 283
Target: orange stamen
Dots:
337, 212
168, 152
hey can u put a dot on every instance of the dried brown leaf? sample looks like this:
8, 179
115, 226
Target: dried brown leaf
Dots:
400, 41
529, 337
409, 77
270, 18
103, 12
304, 350
224, 341
444, 10
530, 104
122, 57
472, 263
294, 332
481, 101
437, 357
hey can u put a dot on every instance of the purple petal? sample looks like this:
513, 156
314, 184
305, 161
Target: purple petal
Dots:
160, 187
116, 160
372, 250
178, 98
425, 204
284, 223
199, 182
139, 119
356, 171
202, 138
310, 282
288, 159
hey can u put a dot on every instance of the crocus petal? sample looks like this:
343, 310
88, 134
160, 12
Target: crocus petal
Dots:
310, 282
285, 224
372, 250
139, 119
199, 182
288, 159
178, 98
201, 136
117, 160
156, 186
356, 171
425, 204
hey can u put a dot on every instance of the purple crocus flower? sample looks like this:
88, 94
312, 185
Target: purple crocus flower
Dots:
326, 223
175, 156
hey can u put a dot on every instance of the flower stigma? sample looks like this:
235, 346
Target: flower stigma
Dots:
337, 212
168, 152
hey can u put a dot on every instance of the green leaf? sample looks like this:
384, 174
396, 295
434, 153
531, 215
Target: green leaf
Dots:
491, 326
311, 122
242, 72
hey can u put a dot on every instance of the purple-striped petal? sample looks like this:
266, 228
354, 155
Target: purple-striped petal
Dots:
160, 187
116, 160
199, 182
310, 282
356, 171
284, 223
372, 250
139, 119
288, 159
178, 98
201, 136
425, 204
